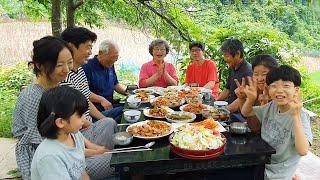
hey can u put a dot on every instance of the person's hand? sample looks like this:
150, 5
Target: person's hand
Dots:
239, 91
251, 90
106, 104
102, 149
264, 97
296, 105
161, 69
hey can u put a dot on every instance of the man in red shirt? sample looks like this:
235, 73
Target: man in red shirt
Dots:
202, 71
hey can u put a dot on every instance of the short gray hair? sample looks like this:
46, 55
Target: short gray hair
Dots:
106, 45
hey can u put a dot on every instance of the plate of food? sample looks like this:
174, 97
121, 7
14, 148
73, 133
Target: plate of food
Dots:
150, 129
180, 117
144, 97
170, 101
157, 112
197, 142
196, 108
157, 89
221, 114
143, 90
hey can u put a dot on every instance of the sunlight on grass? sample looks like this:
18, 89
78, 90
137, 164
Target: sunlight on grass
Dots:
315, 77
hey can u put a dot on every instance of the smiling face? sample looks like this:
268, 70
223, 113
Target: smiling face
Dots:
259, 75
108, 59
82, 53
283, 92
64, 64
232, 61
159, 52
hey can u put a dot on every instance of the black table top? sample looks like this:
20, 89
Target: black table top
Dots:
237, 145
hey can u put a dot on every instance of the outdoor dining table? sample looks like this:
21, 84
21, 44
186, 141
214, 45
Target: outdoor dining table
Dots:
244, 157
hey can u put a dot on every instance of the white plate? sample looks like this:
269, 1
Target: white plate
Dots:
146, 113
150, 138
157, 89
181, 108
130, 98
175, 126
193, 117
147, 90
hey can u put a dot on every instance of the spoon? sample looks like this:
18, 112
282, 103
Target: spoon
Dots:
148, 145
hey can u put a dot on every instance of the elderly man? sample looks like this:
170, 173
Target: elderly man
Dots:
233, 54
103, 80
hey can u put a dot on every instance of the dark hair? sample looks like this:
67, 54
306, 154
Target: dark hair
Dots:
159, 42
59, 102
284, 73
197, 44
45, 54
232, 46
78, 35
265, 60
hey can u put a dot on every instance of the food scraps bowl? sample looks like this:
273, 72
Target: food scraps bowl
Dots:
238, 127
122, 138
197, 152
132, 116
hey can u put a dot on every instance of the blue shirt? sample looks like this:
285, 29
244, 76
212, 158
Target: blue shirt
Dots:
101, 80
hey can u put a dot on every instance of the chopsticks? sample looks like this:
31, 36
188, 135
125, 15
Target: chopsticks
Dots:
129, 150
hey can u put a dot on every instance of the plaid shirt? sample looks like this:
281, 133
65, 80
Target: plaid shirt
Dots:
24, 127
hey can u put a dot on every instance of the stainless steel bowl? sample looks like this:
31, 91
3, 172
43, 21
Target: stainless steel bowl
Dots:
238, 127
122, 138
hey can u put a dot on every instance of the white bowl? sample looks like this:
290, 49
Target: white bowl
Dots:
132, 116
122, 138
220, 104
133, 102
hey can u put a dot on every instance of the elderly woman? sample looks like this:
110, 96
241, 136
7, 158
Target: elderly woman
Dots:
157, 72
202, 71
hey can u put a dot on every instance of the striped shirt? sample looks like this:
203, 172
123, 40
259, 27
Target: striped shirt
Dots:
78, 80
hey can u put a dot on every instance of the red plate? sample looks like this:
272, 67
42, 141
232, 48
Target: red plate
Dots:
188, 156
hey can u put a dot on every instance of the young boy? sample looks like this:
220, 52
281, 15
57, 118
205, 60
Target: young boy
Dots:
285, 125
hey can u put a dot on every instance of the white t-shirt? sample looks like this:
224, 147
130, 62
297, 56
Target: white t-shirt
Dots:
54, 160
277, 131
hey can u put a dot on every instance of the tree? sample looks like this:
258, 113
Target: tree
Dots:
56, 22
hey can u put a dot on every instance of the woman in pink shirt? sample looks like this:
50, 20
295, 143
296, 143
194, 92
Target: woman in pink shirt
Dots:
157, 72
202, 71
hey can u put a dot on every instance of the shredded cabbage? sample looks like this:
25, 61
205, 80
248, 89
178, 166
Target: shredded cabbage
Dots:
196, 138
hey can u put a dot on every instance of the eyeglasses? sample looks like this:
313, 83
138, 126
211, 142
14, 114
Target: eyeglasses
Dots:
283, 86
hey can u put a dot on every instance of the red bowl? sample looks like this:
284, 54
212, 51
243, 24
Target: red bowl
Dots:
197, 152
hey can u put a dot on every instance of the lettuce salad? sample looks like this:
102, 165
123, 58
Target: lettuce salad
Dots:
196, 138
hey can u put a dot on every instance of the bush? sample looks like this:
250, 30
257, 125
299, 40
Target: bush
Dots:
11, 82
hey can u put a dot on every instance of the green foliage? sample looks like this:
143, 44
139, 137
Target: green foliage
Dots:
11, 81
310, 89
13, 8
125, 77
